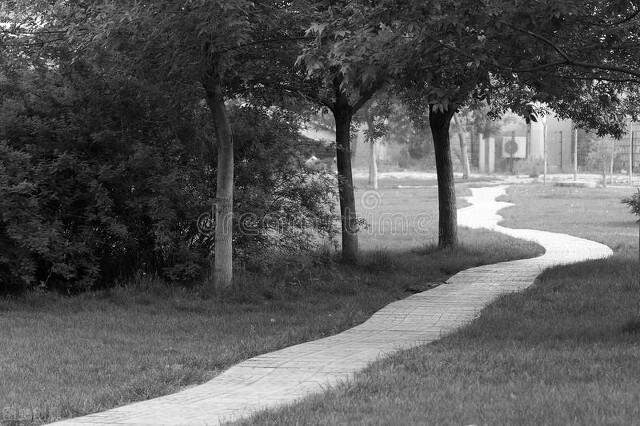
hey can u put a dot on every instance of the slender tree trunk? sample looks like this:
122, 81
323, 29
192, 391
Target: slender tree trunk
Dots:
343, 114
613, 154
466, 168
354, 145
448, 215
373, 161
544, 151
575, 155
223, 241
373, 165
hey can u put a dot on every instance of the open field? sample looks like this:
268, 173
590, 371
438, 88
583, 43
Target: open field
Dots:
64, 357
565, 351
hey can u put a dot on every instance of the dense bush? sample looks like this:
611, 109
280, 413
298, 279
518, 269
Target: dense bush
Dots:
101, 177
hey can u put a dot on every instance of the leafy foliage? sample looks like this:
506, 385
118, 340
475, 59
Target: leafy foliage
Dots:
106, 147
633, 202
102, 176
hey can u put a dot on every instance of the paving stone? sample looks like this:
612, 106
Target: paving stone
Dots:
284, 376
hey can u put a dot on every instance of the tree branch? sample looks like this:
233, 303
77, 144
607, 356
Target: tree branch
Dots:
266, 41
367, 94
539, 37
620, 22
568, 60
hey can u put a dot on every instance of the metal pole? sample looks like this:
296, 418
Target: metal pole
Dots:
561, 153
632, 154
575, 155
631, 157
513, 139
544, 151
528, 143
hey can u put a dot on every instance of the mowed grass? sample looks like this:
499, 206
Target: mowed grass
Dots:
412, 181
62, 357
564, 352
594, 213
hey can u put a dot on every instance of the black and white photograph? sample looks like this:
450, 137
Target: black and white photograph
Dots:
332, 212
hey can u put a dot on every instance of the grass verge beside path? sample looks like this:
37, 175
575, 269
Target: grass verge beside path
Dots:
62, 357
563, 352
593, 213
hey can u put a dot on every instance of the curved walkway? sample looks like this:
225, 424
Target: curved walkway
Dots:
286, 375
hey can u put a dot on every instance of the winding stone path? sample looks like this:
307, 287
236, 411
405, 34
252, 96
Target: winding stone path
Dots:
286, 375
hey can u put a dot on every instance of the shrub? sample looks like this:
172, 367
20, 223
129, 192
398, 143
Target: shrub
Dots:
633, 202
101, 178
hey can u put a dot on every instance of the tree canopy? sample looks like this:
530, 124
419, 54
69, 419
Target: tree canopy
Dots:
207, 87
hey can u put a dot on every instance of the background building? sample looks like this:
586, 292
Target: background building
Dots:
491, 154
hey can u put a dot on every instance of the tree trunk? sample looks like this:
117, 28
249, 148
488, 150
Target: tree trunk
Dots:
373, 161
223, 241
575, 155
448, 215
354, 146
343, 114
544, 151
466, 168
613, 155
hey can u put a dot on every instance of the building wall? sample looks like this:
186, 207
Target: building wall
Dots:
560, 143
560, 146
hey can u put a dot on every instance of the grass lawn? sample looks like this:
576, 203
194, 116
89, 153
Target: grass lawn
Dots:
593, 213
565, 351
62, 357
411, 180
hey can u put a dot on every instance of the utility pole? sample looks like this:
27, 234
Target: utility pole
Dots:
544, 150
575, 154
561, 153
631, 157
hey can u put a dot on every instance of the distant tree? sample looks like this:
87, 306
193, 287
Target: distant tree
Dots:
376, 115
347, 56
601, 156
409, 126
464, 156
